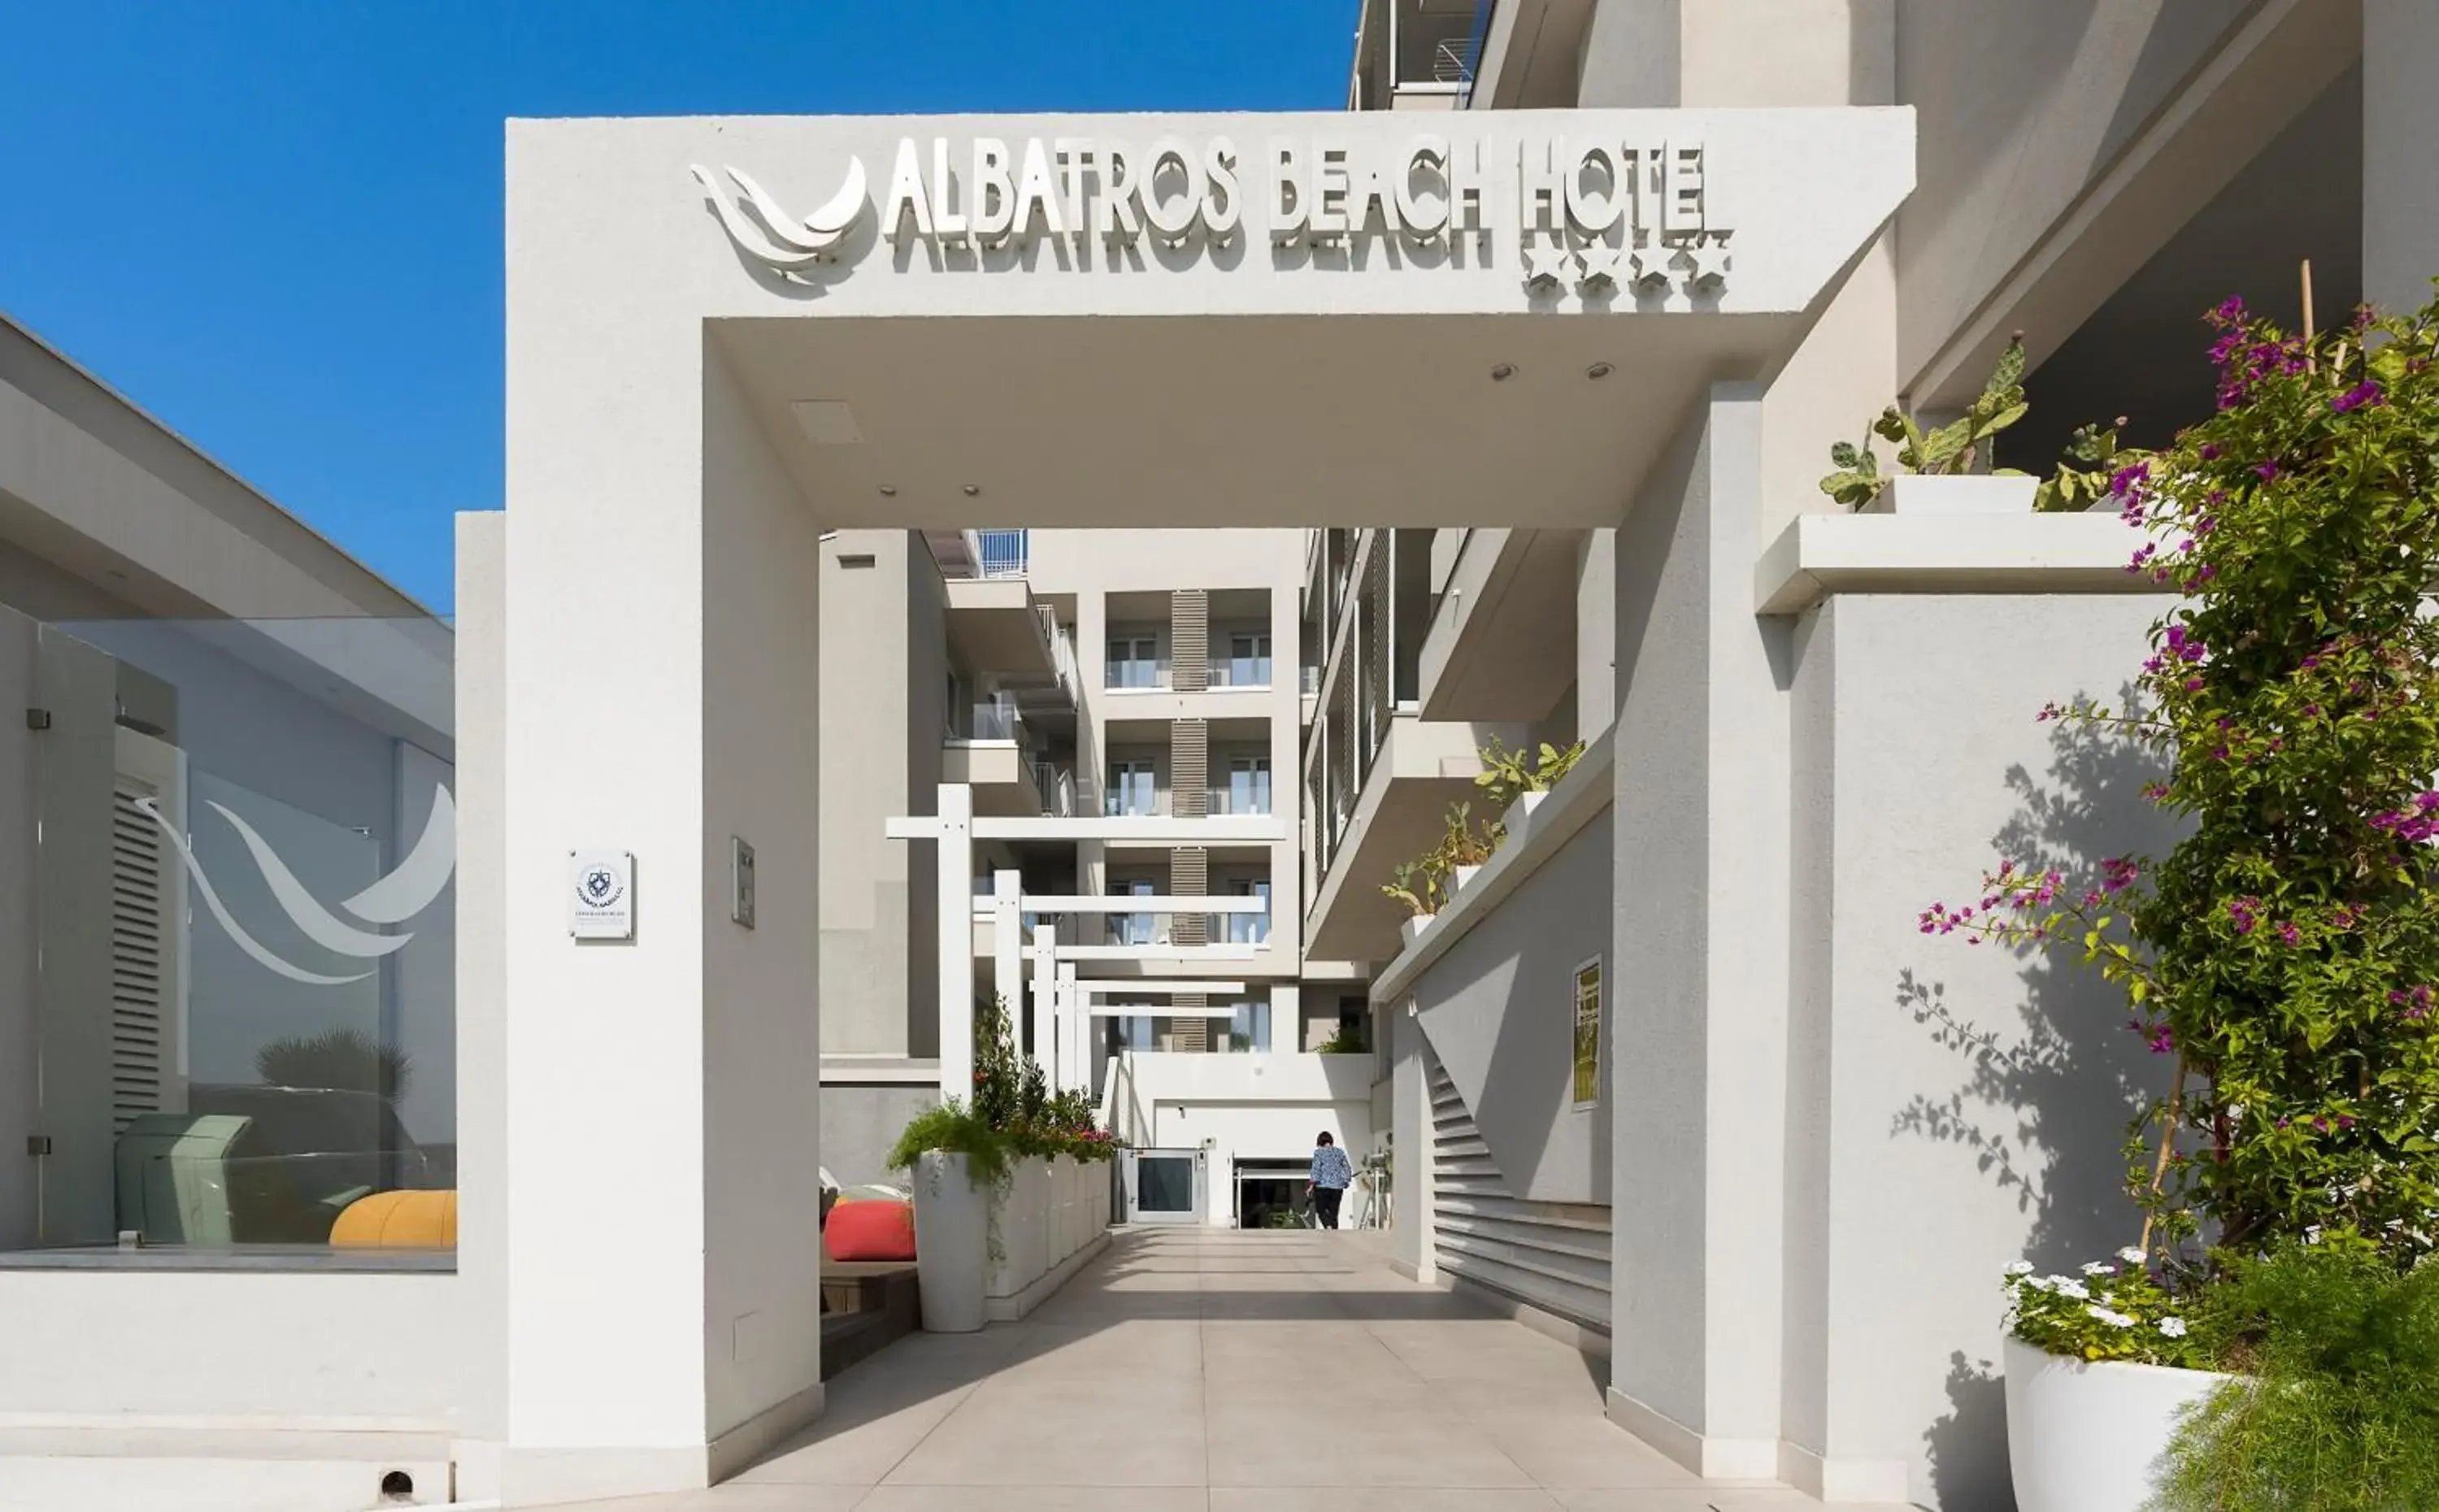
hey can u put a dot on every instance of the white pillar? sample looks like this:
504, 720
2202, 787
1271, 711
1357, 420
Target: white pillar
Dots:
955, 873
2400, 210
1075, 1061
1045, 1000
1007, 949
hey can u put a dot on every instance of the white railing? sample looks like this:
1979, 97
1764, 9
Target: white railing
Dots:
1002, 553
996, 719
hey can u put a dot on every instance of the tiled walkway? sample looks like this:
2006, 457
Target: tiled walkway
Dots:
1226, 1371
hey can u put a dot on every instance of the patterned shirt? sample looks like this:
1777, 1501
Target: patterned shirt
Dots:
1329, 1167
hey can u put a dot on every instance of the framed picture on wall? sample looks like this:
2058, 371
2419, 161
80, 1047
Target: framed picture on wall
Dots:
1588, 1035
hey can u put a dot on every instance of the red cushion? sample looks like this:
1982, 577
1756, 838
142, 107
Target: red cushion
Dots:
870, 1231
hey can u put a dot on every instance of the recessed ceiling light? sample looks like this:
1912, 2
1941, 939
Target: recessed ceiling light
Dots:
1598, 370
1503, 372
889, 491
972, 489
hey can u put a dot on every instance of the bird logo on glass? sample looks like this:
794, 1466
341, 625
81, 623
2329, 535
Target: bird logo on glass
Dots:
409, 889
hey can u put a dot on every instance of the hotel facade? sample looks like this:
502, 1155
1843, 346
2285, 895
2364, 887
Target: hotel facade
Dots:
1167, 507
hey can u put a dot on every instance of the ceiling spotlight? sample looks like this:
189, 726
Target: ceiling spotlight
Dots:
1503, 372
889, 491
972, 489
1598, 370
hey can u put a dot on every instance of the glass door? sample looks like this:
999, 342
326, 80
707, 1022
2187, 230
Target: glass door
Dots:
1164, 1186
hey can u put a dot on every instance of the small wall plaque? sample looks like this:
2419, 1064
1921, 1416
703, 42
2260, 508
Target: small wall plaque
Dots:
740, 882
601, 895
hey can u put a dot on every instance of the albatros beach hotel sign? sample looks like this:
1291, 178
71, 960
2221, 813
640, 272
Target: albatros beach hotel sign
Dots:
1598, 215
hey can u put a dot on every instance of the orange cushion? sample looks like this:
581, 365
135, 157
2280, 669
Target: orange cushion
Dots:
398, 1221
870, 1231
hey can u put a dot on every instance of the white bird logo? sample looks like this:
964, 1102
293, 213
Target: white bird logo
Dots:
405, 892
770, 237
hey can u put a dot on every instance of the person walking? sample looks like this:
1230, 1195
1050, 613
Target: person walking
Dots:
1330, 1176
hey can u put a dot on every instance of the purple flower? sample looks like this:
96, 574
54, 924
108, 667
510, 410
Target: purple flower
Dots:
2229, 311
2356, 398
2210, 451
2288, 934
2244, 912
2269, 470
2127, 479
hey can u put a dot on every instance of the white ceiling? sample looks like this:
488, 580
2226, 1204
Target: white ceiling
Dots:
1245, 421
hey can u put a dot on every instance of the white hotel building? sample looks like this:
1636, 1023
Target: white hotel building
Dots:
1509, 389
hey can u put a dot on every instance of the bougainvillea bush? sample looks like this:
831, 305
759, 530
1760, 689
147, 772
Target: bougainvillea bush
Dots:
2282, 960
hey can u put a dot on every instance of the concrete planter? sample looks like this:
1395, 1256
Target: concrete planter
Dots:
1464, 874
951, 1243
1518, 821
1412, 930
1051, 1212
2088, 1437
1973, 493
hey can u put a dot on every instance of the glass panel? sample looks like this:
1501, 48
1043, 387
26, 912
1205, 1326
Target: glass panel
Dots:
1248, 1027
1250, 928
1165, 1184
243, 865
1249, 661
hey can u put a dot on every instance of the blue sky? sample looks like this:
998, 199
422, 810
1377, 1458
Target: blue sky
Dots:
277, 226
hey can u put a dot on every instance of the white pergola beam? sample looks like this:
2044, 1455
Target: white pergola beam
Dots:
1163, 904
1155, 986
1152, 1011
1223, 829
1156, 952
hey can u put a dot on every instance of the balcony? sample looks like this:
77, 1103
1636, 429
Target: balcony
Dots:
1509, 602
1423, 767
1417, 54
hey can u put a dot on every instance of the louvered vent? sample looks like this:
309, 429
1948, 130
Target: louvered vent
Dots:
141, 939
1190, 640
1553, 1255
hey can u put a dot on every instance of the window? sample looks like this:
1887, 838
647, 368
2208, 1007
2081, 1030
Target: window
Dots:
1249, 1027
1249, 785
1130, 929
1250, 928
1131, 789
1249, 661
1134, 661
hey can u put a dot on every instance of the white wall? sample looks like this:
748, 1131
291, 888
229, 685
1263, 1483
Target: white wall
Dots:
1499, 1011
1920, 766
1700, 956
761, 1050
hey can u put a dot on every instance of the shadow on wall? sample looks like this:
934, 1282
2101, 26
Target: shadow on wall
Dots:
2044, 1111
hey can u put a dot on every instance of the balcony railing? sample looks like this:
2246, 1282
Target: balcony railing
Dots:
995, 718
1002, 553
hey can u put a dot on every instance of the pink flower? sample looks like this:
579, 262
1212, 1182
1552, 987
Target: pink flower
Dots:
2356, 398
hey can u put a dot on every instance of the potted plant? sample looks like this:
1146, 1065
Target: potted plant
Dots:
2282, 961
1937, 475
1517, 780
958, 1160
1416, 886
1467, 848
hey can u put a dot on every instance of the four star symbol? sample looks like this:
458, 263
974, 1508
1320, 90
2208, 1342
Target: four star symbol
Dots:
1650, 270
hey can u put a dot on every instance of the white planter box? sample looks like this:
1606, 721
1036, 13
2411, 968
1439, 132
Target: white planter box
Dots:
1518, 821
952, 1244
1021, 1219
1412, 930
1973, 493
1465, 876
2088, 1437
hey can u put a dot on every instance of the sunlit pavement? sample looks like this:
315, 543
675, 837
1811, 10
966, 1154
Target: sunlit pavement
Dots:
1226, 1371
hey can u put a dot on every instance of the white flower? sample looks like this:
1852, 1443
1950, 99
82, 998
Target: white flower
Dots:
2313, 1234
2038, 1283
2173, 1328
2131, 1255
2071, 1289
2100, 1267
2021, 1267
2115, 1319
